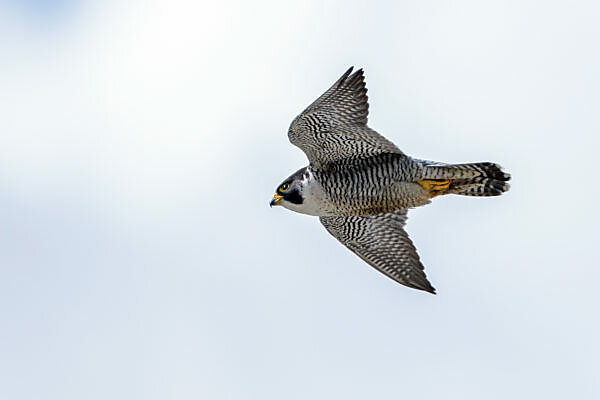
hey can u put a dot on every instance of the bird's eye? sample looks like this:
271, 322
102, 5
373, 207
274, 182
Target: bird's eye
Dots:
284, 187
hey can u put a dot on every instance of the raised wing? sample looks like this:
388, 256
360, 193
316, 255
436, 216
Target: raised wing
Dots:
334, 127
382, 242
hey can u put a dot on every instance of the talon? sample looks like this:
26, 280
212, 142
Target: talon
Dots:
435, 187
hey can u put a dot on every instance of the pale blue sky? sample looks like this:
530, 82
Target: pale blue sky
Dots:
141, 141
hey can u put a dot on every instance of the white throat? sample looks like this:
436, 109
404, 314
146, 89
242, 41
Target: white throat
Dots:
313, 196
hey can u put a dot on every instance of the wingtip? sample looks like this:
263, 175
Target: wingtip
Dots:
351, 76
345, 75
429, 289
424, 286
359, 72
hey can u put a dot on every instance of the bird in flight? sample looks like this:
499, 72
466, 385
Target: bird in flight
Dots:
361, 185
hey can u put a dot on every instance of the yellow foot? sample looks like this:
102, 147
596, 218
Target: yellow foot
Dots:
435, 187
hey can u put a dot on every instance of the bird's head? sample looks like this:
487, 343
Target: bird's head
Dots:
289, 193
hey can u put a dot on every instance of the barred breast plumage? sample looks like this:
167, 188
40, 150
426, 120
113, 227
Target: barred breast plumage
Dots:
373, 185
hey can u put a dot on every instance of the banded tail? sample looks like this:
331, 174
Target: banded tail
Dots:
475, 179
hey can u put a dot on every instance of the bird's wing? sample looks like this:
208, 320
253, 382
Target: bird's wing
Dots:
382, 242
334, 127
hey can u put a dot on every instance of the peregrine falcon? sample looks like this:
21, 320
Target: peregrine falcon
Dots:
361, 185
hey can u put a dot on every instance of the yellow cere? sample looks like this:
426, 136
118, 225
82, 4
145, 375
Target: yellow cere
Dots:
277, 197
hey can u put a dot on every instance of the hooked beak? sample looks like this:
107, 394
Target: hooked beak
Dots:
275, 200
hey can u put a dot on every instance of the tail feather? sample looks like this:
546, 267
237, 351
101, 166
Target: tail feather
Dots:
474, 179
478, 187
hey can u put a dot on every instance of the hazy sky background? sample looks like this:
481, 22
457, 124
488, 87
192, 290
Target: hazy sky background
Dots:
141, 141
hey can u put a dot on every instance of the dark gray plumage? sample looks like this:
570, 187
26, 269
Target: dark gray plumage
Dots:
383, 243
361, 185
334, 127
